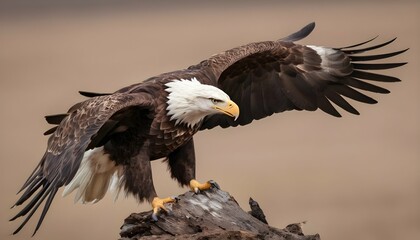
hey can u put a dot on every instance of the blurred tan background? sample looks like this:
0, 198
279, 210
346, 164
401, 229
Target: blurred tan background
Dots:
357, 177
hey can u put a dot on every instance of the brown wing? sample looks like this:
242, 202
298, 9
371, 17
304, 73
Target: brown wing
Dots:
270, 77
83, 128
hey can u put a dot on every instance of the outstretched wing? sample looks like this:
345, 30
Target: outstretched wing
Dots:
270, 77
85, 127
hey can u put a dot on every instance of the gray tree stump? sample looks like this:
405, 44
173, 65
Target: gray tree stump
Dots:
213, 214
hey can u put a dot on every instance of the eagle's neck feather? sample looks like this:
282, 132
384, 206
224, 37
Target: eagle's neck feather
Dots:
182, 107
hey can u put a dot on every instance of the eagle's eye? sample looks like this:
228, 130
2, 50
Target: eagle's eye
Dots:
215, 101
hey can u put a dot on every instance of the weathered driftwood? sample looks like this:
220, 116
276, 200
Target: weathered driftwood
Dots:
213, 214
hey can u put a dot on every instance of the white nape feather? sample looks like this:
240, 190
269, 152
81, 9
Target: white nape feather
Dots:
189, 100
94, 177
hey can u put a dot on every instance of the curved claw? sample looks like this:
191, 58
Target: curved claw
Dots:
154, 217
214, 184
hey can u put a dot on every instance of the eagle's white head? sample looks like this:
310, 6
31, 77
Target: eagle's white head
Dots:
189, 101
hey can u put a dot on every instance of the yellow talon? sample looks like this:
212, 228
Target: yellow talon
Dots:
158, 204
195, 186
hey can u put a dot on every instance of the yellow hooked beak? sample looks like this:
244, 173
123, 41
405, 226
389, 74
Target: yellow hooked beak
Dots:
231, 109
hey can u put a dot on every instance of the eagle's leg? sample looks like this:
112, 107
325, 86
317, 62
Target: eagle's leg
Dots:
158, 205
196, 187
139, 181
182, 166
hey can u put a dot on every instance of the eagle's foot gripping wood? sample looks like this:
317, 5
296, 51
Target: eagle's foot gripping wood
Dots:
196, 186
158, 204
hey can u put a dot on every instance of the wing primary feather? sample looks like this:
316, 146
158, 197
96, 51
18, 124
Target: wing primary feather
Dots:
46, 207
364, 85
354, 51
35, 173
374, 76
377, 66
358, 44
45, 193
325, 105
92, 94
353, 94
56, 118
50, 131
375, 57
341, 102
33, 202
31, 190
302, 33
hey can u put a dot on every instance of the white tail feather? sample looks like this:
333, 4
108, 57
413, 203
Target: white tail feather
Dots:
94, 177
116, 183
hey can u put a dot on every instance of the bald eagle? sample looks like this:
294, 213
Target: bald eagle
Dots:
108, 141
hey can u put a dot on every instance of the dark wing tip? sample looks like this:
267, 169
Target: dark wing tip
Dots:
355, 51
358, 44
355, 58
302, 33
49, 190
374, 76
377, 66
92, 94
55, 118
50, 131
